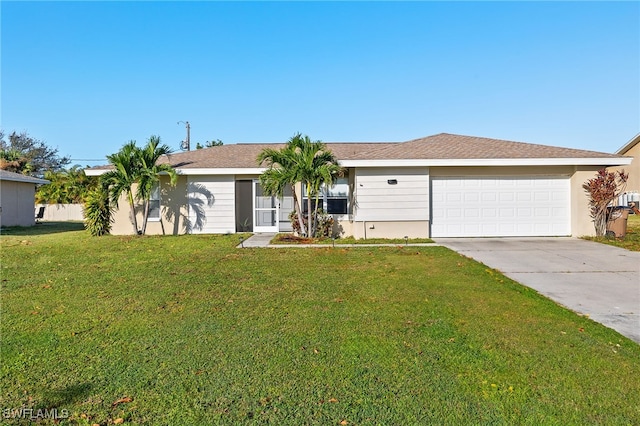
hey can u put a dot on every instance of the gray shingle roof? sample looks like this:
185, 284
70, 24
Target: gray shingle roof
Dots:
448, 146
440, 146
244, 155
17, 177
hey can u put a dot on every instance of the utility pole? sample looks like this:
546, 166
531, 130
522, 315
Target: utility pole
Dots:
187, 143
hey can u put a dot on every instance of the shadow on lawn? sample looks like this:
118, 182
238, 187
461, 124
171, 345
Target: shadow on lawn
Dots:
62, 398
43, 228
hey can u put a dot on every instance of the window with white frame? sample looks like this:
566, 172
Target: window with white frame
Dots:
333, 200
154, 203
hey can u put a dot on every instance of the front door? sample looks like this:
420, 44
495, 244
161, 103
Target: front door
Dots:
265, 210
286, 207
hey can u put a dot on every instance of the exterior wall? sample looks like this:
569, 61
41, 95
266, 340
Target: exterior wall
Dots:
383, 210
581, 222
17, 205
173, 220
502, 171
62, 212
211, 204
343, 228
390, 229
377, 200
206, 204
173, 207
633, 185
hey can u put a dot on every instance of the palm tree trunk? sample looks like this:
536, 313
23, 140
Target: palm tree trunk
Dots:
298, 210
134, 219
145, 217
315, 214
309, 234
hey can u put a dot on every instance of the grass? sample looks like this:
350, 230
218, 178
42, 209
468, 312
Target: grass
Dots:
631, 241
189, 330
292, 239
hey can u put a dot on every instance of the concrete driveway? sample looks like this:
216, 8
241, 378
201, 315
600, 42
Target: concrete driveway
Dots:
587, 277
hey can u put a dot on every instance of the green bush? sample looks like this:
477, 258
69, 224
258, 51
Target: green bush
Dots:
97, 212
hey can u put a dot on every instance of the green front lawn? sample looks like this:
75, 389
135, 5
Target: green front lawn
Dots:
190, 330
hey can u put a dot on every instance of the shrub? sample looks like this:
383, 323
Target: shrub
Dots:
97, 212
323, 221
603, 190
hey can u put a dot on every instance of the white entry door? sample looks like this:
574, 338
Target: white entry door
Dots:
286, 207
265, 210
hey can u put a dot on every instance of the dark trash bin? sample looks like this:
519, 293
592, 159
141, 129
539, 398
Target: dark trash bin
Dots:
617, 221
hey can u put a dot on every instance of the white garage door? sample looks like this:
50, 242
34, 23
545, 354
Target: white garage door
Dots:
500, 206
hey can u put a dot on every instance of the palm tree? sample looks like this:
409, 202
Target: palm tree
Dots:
125, 174
137, 166
150, 172
301, 160
281, 172
320, 169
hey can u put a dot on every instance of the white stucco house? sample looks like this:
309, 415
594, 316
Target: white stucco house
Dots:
17, 198
443, 185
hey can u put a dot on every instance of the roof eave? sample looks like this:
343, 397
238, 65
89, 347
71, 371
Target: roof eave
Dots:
35, 181
95, 172
453, 162
450, 162
222, 171
633, 142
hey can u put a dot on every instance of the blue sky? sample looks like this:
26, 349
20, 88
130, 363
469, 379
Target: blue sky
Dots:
86, 77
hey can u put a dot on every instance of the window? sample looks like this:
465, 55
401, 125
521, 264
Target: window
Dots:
333, 200
154, 203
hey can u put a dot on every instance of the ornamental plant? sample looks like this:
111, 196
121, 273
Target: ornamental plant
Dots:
603, 190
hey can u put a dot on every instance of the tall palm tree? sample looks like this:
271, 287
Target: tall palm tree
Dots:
281, 172
301, 160
137, 166
122, 178
321, 169
150, 172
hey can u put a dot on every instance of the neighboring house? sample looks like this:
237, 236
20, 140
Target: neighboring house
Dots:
632, 149
439, 186
17, 198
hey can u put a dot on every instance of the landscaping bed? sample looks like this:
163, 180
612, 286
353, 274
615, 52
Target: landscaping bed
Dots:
294, 239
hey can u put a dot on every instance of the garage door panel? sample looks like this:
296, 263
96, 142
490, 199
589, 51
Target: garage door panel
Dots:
471, 197
453, 197
507, 212
505, 206
523, 196
489, 213
506, 197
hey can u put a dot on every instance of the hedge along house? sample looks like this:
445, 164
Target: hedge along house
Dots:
439, 186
